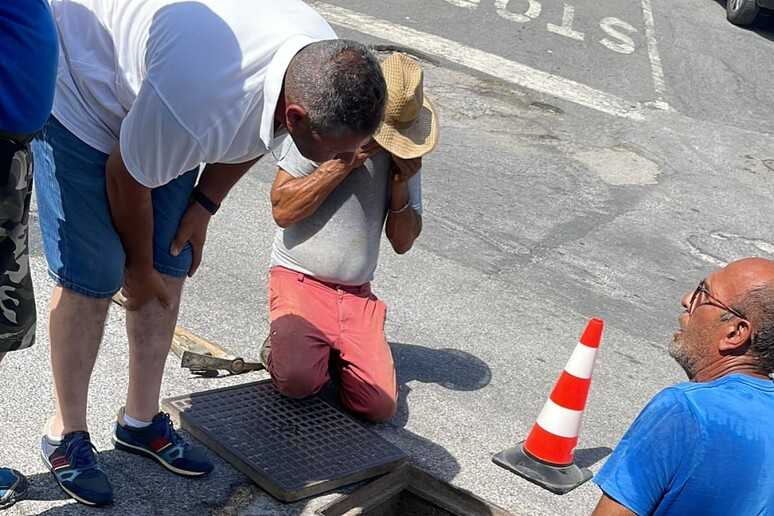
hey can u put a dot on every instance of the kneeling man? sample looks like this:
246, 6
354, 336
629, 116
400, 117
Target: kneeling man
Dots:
324, 316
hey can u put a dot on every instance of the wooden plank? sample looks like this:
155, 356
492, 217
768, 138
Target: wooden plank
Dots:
184, 340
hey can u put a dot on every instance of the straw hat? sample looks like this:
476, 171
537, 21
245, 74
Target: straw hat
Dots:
409, 128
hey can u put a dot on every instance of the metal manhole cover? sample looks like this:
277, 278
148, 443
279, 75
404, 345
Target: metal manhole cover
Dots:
291, 448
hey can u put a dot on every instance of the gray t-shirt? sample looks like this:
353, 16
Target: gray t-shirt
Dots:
339, 243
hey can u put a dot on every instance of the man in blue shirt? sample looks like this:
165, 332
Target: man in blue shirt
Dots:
707, 447
28, 62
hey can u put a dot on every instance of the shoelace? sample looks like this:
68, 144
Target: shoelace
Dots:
81, 452
174, 437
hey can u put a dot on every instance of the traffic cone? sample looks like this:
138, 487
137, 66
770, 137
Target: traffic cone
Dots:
546, 457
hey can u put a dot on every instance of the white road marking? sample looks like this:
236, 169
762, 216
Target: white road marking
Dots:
466, 4
705, 257
610, 25
565, 29
625, 44
762, 245
533, 11
657, 70
483, 62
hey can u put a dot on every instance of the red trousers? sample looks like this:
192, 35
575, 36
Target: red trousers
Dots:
309, 320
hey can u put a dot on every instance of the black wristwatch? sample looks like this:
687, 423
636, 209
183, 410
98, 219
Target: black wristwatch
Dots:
204, 201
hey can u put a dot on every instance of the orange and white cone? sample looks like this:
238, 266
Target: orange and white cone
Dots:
546, 457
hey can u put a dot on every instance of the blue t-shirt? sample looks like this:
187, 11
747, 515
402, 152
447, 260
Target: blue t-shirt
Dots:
29, 54
698, 448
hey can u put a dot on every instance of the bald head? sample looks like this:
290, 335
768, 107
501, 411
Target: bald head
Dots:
753, 281
728, 325
742, 276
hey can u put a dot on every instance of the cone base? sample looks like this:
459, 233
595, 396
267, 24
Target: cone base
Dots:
557, 479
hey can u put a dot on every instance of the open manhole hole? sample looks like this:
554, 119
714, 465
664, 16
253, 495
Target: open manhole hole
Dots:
409, 491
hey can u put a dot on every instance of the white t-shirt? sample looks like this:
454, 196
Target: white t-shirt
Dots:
177, 83
339, 242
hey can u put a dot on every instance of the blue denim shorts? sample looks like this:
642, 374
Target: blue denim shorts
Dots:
83, 249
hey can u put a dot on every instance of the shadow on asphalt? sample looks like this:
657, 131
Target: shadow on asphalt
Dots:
449, 368
587, 457
452, 369
141, 487
764, 26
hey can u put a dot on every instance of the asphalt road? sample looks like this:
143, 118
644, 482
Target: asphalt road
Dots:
541, 210
712, 71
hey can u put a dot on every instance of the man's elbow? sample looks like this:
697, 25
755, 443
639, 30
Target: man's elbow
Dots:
402, 248
281, 217
401, 245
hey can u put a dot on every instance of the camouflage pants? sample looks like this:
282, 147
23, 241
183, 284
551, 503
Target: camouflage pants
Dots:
17, 303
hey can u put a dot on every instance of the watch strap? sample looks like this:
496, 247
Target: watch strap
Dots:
205, 202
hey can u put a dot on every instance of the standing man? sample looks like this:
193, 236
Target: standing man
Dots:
322, 310
147, 90
28, 58
707, 447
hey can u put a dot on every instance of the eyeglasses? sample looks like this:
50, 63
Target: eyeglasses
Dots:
710, 300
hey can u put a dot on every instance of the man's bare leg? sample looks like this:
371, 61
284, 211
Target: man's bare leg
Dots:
75, 327
150, 330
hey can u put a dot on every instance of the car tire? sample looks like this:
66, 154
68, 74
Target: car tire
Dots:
742, 12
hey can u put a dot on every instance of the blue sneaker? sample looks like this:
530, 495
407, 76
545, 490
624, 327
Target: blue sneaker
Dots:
75, 468
161, 442
13, 487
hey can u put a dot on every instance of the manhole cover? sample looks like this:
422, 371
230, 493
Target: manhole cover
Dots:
409, 491
291, 448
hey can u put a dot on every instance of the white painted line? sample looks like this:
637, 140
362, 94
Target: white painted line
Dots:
581, 363
625, 44
483, 62
559, 420
467, 4
697, 253
533, 11
656, 68
565, 29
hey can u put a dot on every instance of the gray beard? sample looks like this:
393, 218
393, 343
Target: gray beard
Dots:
677, 351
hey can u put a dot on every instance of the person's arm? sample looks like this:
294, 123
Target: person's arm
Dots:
217, 179
609, 507
655, 456
131, 209
295, 198
403, 224
215, 182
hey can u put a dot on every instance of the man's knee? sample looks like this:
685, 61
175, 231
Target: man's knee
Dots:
296, 381
382, 410
298, 357
298, 386
377, 407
